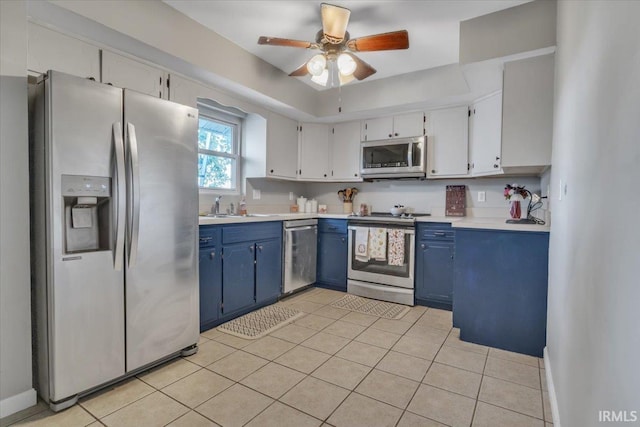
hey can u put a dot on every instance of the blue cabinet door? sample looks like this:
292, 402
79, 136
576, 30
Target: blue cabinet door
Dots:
210, 266
434, 272
268, 270
239, 281
332, 260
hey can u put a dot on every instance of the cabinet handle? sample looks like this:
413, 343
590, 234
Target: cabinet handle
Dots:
496, 166
251, 248
331, 227
390, 135
271, 170
212, 255
343, 239
260, 248
396, 134
355, 174
423, 246
497, 158
325, 175
433, 171
439, 233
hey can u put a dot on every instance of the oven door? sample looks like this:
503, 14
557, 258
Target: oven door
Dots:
396, 157
383, 272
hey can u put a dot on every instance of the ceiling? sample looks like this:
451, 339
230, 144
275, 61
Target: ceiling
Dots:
433, 28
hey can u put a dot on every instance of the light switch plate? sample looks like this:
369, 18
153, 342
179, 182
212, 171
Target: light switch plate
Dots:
482, 196
256, 194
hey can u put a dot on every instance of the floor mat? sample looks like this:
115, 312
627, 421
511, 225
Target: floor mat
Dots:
259, 323
388, 310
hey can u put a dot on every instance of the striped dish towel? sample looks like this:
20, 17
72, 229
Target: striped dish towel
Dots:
396, 247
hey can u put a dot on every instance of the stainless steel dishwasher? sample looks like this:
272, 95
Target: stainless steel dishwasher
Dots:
300, 251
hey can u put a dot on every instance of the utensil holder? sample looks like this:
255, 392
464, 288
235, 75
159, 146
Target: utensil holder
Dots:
347, 207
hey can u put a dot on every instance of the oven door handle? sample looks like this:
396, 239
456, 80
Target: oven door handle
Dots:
410, 231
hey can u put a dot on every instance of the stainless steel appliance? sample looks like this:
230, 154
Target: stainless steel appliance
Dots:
390, 277
300, 253
395, 158
114, 221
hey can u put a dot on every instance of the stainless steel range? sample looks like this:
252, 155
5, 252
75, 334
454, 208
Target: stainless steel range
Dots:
382, 257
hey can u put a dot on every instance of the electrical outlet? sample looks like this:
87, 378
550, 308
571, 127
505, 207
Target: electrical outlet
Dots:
291, 196
256, 194
482, 196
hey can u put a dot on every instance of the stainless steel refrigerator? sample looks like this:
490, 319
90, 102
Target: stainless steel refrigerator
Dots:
114, 230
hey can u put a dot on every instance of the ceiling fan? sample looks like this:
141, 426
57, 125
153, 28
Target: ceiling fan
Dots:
336, 63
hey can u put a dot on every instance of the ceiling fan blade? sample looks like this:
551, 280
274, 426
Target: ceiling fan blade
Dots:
334, 22
274, 41
363, 70
387, 41
301, 71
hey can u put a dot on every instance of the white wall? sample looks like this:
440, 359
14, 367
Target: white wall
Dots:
16, 392
593, 341
424, 196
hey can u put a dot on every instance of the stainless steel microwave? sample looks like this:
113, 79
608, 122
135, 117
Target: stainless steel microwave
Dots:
394, 158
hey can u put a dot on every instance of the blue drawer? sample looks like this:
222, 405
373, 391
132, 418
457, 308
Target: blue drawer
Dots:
251, 232
332, 226
209, 236
435, 231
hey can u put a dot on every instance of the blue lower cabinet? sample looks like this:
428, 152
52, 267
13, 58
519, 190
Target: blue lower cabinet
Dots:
500, 288
332, 254
434, 265
268, 270
210, 266
238, 277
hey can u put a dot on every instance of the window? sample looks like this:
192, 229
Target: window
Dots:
218, 152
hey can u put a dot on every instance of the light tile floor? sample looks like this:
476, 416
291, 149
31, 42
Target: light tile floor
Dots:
333, 368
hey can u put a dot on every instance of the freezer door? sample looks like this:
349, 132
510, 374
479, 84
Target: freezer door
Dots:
84, 290
162, 306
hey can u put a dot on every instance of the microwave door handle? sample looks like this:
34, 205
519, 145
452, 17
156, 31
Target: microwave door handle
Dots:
410, 155
120, 199
134, 195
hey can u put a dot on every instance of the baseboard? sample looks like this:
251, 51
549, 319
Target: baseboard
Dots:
17, 403
552, 390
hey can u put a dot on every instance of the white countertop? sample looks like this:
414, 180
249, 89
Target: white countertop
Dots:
490, 223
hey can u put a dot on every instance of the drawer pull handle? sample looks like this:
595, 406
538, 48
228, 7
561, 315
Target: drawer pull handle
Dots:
423, 246
440, 234
212, 255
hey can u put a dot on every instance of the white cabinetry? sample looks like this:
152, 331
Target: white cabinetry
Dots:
314, 151
127, 73
402, 126
485, 126
50, 50
448, 142
527, 126
345, 152
282, 147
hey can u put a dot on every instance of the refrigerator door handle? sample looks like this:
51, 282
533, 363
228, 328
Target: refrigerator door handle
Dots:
134, 194
121, 202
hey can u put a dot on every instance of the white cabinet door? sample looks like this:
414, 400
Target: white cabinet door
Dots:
314, 151
486, 135
378, 128
282, 146
127, 73
527, 128
50, 50
408, 125
345, 152
184, 91
448, 142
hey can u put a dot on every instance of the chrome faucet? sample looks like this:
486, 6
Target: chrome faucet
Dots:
215, 208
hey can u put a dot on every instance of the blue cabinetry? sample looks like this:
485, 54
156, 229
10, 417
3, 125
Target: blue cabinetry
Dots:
240, 269
210, 269
434, 265
332, 254
500, 288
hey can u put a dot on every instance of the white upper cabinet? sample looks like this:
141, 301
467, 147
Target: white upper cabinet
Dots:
448, 142
314, 151
345, 152
127, 73
50, 50
527, 127
184, 91
282, 147
485, 126
401, 126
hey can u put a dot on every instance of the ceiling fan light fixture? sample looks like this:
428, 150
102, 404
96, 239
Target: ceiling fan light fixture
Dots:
322, 78
346, 64
334, 22
316, 65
